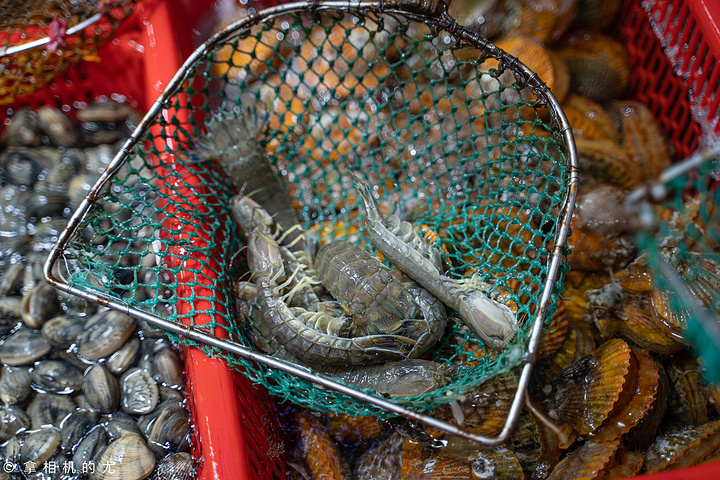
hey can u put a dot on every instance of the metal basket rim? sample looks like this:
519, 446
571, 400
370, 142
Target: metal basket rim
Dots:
197, 334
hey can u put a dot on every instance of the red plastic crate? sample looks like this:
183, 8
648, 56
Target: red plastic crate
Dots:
235, 430
679, 76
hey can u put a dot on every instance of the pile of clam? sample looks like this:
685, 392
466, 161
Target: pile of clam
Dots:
617, 390
86, 392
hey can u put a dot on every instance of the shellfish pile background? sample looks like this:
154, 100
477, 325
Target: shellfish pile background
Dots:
618, 391
85, 393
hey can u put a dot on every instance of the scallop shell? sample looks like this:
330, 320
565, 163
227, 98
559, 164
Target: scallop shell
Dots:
491, 405
459, 455
586, 462
596, 14
589, 120
639, 395
322, 456
605, 161
382, 461
552, 337
599, 66
104, 333
585, 392
625, 465
687, 402
352, 430
23, 347
643, 139
129, 457
635, 321
683, 448
140, 393
101, 389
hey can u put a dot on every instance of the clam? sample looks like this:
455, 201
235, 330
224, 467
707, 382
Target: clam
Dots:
119, 423
23, 129
12, 420
14, 384
49, 409
56, 376
107, 111
11, 450
59, 128
74, 428
62, 331
124, 357
39, 445
10, 313
48, 203
130, 457
88, 449
168, 394
101, 389
140, 393
167, 367
22, 166
104, 333
24, 346
80, 186
178, 466
11, 278
170, 432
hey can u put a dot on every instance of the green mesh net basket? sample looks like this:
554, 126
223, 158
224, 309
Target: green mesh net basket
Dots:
680, 238
445, 127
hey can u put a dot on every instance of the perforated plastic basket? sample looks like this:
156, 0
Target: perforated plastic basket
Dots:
674, 50
235, 432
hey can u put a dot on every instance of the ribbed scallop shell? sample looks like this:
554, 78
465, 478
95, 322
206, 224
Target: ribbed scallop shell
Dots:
492, 403
352, 430
635, 321
626, 464
585, 392
586, 462
599, 66
683, 448
554, 335
589, 119
321, 455
639, 395
688, 402
642, 137
605, 161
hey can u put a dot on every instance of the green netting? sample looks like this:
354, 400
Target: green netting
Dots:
682, 250
452, 138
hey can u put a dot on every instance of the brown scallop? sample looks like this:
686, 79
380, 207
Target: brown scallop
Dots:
352, 430
584, 394
586, 462
322, 456
683, 448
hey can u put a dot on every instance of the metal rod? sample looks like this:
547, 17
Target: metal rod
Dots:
196, 334
5, 51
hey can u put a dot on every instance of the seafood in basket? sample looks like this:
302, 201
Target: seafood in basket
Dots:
617, 391
86, 392
439, 135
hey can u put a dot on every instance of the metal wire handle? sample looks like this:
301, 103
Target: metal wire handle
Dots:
423, 10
